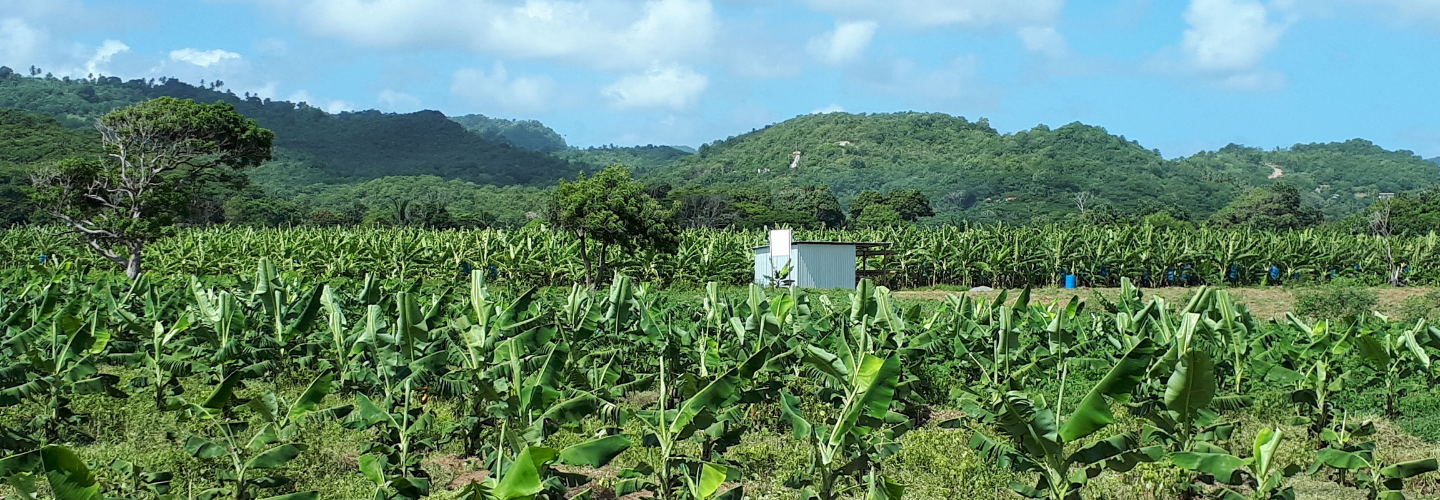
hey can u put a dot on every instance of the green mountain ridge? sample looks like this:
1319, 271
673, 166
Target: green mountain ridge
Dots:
318, 146
973, 172
530, 135
500, 167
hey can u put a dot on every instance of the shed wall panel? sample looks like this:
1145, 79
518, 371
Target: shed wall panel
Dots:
825, 266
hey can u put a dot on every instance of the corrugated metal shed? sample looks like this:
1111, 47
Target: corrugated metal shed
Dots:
816, 264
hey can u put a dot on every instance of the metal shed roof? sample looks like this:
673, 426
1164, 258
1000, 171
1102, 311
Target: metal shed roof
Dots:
857, 244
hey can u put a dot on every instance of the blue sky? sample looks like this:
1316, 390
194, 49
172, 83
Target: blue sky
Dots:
1179, 75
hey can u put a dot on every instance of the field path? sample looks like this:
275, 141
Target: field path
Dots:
1264, 303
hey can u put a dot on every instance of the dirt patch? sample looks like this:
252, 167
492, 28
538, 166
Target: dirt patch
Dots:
1264, 303
465, 478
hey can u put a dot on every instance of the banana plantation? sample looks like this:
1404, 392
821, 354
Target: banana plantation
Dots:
995, 256
290, 381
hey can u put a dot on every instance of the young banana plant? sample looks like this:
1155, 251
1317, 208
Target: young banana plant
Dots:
52, 362
1381, 481
1040, 442
1260, 473
67, 476
1394, 356
703, 406
1183, 398
1315, 369
252, 453
860, 428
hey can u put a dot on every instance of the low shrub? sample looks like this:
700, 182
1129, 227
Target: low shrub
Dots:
1421, 307
1335, 301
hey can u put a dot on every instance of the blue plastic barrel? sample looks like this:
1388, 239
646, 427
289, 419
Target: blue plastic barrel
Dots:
1070, 281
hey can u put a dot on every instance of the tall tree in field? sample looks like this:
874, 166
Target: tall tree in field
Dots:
1273, 208
911, 204
610, 210
158, 155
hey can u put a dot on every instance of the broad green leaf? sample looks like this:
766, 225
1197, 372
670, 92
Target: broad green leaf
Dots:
225, 391
199, 447
523, 479
884, 489
1404, 470
1094, 413
373, 467
712, 398
69, 478
790, 411
319, 388
1341, 459
1191, 386
1224, 467
712, 476
874, 384
275, 457
1266, 443
595, 452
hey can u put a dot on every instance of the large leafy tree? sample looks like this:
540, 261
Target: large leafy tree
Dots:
157, 156
610, 210
1274, 208
911, 204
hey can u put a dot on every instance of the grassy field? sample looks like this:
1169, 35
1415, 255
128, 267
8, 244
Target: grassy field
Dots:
1264, 302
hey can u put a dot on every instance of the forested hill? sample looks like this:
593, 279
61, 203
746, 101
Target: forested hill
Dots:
1339, 178
317, 146
970, 170
965, 167
527, 134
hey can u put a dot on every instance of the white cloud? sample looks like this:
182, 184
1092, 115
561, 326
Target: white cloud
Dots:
833, 108
398, 101
845, 43
1255, 81
103, 54
673, 87
497, 88
19, 42
333, 106
607, 34
203, 58
1044, 40
955, 83
1229, 35
935, 13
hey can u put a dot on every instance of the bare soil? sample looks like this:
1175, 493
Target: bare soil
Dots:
1264, 303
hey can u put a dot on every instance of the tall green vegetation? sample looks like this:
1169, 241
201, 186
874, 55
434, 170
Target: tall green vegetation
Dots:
157, 156
610, 210
382, 389
1274, 208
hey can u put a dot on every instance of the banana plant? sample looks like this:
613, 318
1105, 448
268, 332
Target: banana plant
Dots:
702, 404
1315, 369
290, 314
1040, 442
530, 475
1260, 473
860, 428
168, 358
50, 364
1182, 410
1380, 480
1394, 356
68, 477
